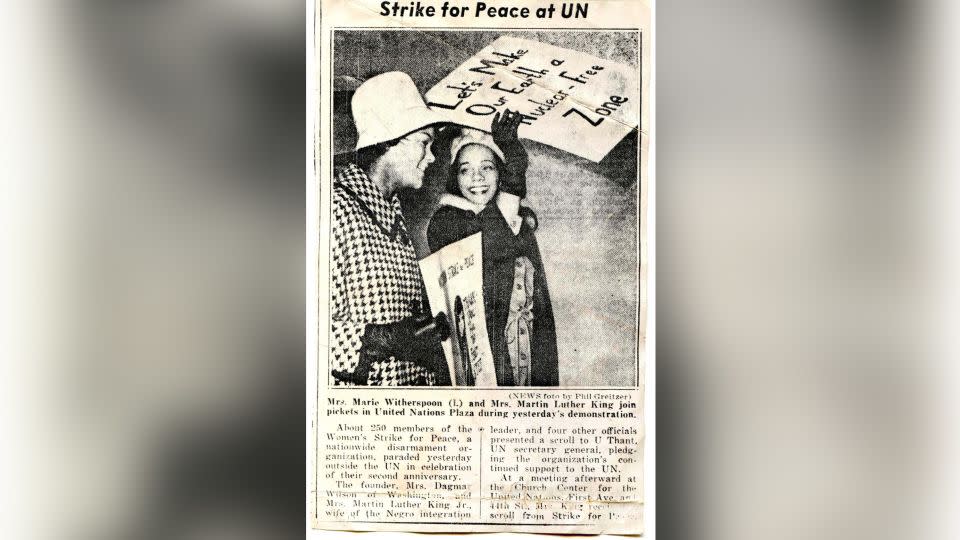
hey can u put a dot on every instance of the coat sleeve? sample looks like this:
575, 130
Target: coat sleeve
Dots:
345, 333
546, 371
449, 225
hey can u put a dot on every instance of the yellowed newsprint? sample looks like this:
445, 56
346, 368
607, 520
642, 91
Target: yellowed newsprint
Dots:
478, 266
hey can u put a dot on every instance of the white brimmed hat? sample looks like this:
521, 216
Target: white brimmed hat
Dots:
389, 106
474, 136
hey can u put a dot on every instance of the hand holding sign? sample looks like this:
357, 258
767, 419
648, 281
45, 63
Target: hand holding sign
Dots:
504, 130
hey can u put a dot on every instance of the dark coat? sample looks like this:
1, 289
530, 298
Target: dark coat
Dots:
501, 248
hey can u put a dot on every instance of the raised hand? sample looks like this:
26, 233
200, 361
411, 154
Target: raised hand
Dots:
504, 130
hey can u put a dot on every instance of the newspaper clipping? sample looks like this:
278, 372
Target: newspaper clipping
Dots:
480, 196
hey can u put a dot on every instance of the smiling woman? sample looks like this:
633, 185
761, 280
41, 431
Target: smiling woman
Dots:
477, 174
486, 181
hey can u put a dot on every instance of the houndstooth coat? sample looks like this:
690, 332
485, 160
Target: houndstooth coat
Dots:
375, 277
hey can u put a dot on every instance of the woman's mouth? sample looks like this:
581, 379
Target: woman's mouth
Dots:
479, 190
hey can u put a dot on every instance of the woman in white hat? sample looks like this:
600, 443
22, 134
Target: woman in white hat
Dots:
380, 332
486, 183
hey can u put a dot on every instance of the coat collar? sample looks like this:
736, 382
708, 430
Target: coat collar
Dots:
457, 201
355, 180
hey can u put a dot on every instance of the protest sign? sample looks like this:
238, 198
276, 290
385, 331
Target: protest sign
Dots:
570, 100
453, 277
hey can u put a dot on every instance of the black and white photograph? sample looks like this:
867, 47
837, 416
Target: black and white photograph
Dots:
529, 138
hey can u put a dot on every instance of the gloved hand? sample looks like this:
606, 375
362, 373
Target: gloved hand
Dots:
407, 338
413, 339
504, 131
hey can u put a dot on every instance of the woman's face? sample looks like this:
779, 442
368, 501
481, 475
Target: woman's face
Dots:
408, 159
477, 173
